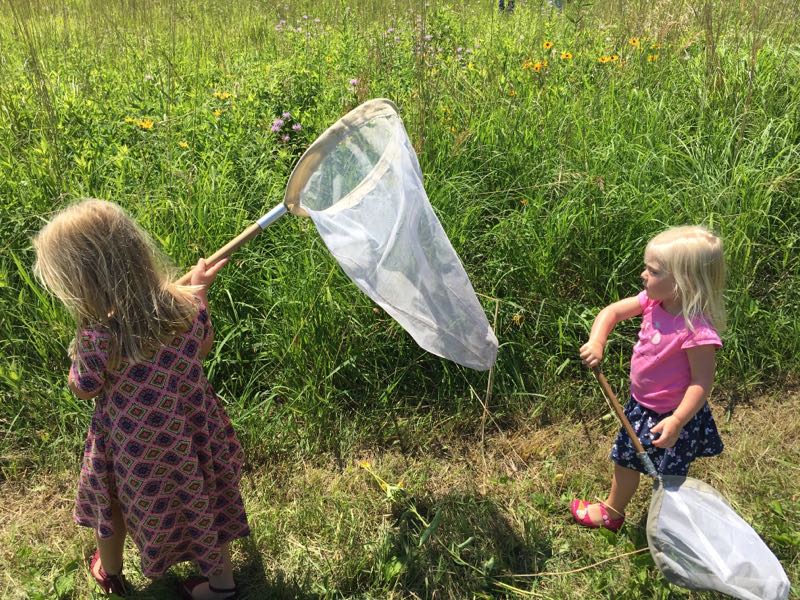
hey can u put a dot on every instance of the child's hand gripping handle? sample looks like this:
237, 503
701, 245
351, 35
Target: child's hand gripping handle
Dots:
240, 240
611, 398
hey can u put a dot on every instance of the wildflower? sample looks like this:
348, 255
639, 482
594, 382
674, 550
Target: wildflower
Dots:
528, 64
222, 95
604, 59
277, 123
517, 319
305, 16
364, 464
353, 82
547, 44
537, 66
459, 50
275, 128
635, 42
287, 115
285, 138
524, 202
297, 127
145, 124
566, 56
183, 144
652, 57
390, 30
217, 113
512, 93
614, 57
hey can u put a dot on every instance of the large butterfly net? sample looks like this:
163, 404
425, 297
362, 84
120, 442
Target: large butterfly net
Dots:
361, 184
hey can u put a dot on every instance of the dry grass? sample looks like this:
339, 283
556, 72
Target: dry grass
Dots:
322, 531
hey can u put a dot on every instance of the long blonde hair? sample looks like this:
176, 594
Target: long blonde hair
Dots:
109, 274
694, 257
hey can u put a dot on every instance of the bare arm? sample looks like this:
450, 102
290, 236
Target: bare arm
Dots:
204, 276
592, 351
702, 363
205, 347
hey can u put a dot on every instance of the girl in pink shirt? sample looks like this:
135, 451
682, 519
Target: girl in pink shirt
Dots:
672, 367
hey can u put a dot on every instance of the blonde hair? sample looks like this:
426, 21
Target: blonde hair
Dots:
109, 274
694, 257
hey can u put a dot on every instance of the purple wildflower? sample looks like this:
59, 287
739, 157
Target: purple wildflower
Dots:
353, 82
275, 128
297, 127
286, 115
285, 138
277, 123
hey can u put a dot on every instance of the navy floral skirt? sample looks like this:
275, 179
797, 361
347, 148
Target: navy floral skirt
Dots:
697, 439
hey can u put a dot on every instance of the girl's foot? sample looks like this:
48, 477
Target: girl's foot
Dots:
198, 588
109, 583
595, 515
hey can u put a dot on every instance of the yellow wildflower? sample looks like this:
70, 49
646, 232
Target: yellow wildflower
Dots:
547, 45
614, 57
183, 144
217, 113
512, 92
566, 56
635, 42
537, 66
222, 95
528, 64
652, 57
145, 124
517, 319
604, 59
524, 202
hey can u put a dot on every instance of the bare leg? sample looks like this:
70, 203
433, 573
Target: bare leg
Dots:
111, 547
623, 487
221, 581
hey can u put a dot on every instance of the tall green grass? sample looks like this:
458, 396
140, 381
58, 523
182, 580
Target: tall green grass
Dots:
548, 183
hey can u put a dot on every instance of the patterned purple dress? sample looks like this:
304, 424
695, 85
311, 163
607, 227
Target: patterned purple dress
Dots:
162, 447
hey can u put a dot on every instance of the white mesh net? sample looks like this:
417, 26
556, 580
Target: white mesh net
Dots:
699, 542
361, 184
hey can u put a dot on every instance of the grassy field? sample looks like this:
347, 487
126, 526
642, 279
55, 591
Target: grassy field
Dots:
553, 145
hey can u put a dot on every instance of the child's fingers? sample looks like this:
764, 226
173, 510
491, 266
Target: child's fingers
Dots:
214, 269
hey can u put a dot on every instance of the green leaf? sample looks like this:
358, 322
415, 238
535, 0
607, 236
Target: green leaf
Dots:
431, 529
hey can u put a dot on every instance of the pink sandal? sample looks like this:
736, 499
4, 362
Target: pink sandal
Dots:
580, 512
110, 584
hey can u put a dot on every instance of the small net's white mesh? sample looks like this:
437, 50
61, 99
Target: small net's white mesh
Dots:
361, 184
699, 542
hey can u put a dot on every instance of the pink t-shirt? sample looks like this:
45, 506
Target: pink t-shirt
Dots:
660, 373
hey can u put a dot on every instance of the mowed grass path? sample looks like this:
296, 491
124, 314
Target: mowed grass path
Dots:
329, 529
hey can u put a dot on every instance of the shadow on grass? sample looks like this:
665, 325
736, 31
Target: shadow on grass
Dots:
251, 579
455, 542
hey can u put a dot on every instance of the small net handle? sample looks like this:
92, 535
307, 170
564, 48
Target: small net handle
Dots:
612, 401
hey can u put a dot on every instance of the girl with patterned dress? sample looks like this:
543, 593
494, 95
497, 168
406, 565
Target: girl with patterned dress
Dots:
672, 367
161, 461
